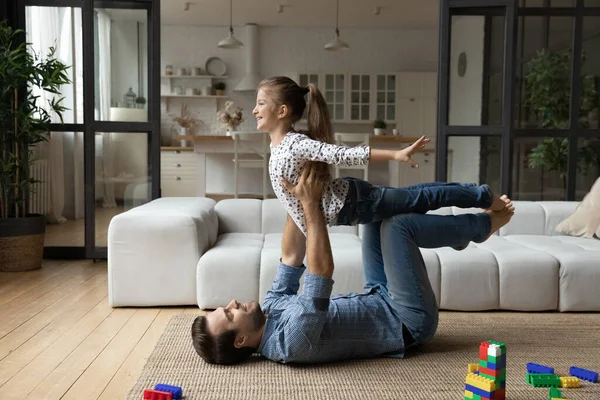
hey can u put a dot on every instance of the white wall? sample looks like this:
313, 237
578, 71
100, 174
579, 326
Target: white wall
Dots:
465, 95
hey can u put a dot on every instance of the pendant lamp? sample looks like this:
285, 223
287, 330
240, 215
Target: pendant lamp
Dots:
230, 42
337, 43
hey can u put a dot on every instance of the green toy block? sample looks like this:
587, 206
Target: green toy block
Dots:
543, 380
554, 393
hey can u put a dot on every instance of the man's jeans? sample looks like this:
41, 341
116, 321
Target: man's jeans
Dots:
369, 203
391, 258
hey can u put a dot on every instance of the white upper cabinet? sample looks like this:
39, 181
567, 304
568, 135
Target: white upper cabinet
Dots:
360, 97
334, 91
407, 99
385, 97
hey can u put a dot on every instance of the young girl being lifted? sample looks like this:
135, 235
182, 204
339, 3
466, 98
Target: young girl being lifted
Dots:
280, 103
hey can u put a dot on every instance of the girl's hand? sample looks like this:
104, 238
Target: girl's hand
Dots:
404, 155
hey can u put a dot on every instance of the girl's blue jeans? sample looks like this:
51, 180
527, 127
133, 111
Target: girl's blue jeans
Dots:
367, 203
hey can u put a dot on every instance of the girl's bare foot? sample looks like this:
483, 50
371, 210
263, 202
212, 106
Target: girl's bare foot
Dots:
500, 218
498, 203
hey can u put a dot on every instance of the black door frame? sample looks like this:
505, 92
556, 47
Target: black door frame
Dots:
90, 126
507, 130
485, 8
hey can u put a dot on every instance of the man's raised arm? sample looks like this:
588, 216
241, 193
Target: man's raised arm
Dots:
318, 249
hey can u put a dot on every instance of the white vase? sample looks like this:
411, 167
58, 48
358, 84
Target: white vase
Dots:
379, 131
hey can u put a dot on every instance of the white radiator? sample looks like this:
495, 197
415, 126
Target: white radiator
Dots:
39, 199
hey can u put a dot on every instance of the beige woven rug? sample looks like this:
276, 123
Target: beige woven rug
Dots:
436, 371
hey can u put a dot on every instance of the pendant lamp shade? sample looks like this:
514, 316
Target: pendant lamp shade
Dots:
337, 44
230, 42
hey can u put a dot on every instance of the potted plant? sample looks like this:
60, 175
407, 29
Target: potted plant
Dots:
379, 127
24, 121
186, 123
220, 88
548, 89
231, 116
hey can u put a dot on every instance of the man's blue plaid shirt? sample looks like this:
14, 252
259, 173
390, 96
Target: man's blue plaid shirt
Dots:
312, 327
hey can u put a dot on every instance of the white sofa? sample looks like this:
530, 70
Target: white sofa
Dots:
176, 251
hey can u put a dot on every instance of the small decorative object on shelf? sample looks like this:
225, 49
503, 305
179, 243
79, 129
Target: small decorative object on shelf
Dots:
168, 70
130, 99
140, 102
231, 117
379, 127
186, 123
220, 88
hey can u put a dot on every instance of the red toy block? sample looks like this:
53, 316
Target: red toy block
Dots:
151, 394
483, 351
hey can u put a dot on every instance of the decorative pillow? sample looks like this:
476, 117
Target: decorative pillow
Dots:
585, 221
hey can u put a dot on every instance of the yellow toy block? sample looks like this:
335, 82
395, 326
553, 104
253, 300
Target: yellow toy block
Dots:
569, 382
473, 367
468, 394
480, 382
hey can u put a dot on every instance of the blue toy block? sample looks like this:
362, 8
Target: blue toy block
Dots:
534, 368
481, 392
176, 391
476, 372
585, 374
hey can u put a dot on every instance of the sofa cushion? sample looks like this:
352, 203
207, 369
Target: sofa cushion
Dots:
528, 278
229, 270
469, 279
555, 212
579, 272
239, 215
585, 221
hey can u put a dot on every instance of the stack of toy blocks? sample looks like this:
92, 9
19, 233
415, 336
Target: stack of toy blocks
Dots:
489, 381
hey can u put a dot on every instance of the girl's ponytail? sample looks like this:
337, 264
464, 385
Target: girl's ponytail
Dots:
318, 119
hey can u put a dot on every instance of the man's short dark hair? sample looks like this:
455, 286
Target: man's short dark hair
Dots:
217, 349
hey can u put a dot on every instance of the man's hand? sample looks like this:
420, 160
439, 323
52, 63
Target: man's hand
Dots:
405, 154
309, 187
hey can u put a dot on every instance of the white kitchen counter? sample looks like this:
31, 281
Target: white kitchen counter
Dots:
214, 165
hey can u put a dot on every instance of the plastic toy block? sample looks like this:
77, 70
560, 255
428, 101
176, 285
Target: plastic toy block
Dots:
473, 367
585, 374
529, 377
554, 392
543, 380
500, 394
483, 351
501, 345
494, 350
150, 394
499, 362
569, 382
480, 382
176, 391
480, 392
468, 394
487, 364
492, 372
533, 368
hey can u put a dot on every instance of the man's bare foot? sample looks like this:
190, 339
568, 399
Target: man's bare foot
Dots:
502, 217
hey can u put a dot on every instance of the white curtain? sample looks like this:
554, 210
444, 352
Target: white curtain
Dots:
105, 164
47, 27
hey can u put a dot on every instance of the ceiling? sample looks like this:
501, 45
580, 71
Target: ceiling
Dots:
393, 14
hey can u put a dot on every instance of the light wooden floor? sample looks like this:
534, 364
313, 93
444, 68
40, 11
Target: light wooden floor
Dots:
59, 338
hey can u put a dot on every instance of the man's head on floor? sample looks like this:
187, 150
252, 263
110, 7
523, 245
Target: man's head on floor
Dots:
230, 334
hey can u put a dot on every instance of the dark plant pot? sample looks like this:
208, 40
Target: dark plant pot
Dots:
22, 243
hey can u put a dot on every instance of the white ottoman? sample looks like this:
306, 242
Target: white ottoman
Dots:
153, 251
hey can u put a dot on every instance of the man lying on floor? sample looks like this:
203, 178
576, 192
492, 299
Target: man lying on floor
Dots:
398, 309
